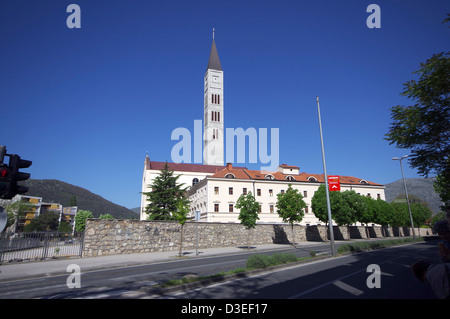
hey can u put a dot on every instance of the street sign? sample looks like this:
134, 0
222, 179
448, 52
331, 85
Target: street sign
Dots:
333, 183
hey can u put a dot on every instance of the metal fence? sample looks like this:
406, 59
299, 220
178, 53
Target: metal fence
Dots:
40, 245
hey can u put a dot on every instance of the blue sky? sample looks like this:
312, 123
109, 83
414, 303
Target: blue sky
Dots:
85, 105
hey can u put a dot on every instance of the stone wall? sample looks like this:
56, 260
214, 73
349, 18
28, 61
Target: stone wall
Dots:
111, 237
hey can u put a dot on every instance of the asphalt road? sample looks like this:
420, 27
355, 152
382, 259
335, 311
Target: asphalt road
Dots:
126, 281
336, 278
341, 277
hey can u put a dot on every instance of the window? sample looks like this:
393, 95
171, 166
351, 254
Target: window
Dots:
259, 209
269, 176
230, 190
215, 98
216, 208
290, 178
282, 191
229, 175
306, 210
244, 191
312, 179
270, 192
271, 208
216, 190
194, 181
230, 208
258, 192
378, 196
305, 194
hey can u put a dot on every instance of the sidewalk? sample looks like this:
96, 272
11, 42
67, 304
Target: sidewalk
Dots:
17, 271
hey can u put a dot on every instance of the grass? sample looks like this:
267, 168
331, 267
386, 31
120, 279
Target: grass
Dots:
369, 245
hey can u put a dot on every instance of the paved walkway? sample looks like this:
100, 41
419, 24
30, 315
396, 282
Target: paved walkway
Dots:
49, 267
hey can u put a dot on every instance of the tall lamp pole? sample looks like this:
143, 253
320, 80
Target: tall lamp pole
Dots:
406, 192
330, 221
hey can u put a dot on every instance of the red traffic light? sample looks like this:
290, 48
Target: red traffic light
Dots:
4, 172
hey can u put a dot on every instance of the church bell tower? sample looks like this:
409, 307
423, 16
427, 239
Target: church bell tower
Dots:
213, 135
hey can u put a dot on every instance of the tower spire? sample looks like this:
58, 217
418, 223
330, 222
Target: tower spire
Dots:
214, 62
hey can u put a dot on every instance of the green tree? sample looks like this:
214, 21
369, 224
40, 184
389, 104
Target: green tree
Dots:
420, 213
165, 195
424, 127
341, 211
361, 206
181, 216
420, 209
64, 227
319, 204
382, 212
248, 215
80, 219
442, 187
400, 216
48, 221
290, 207
15, 211
73, 201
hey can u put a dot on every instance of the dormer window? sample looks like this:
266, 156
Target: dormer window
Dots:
363, 181
312, 179
269, 176
290, 178
229, 175
194, 181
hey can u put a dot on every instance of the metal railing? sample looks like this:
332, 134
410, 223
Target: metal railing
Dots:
39, 245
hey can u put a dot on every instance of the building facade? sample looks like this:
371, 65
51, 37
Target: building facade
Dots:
215, 197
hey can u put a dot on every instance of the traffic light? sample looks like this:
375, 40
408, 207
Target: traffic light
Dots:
16, 163
5, 176
10, 175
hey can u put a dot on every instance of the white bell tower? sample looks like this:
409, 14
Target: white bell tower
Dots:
213, 135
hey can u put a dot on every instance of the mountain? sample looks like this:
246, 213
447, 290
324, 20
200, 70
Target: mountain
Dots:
54, 191
420, 187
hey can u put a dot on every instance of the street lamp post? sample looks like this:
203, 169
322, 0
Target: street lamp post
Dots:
406, 192
330, 221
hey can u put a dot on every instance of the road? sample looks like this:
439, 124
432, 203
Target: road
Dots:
336, 278
340, 277
126, 281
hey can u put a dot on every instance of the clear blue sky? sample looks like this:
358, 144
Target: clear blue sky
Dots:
85, 105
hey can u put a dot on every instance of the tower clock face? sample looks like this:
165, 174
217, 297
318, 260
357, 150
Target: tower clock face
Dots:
215, 79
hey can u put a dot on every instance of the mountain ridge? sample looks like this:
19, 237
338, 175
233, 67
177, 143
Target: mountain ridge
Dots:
55, 191
420, 187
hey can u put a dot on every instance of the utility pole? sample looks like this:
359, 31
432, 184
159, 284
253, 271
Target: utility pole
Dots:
330, 221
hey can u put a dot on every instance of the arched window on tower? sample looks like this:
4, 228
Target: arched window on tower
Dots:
194, 181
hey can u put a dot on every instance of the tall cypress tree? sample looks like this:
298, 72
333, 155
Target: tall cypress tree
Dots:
164, 196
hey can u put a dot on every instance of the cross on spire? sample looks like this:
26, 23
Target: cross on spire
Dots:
213, 33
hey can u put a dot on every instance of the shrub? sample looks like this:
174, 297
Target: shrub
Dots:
264, 261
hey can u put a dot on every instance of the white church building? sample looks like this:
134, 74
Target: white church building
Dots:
214, 187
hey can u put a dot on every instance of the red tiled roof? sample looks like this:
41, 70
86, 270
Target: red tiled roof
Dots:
243, 173
185, 167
